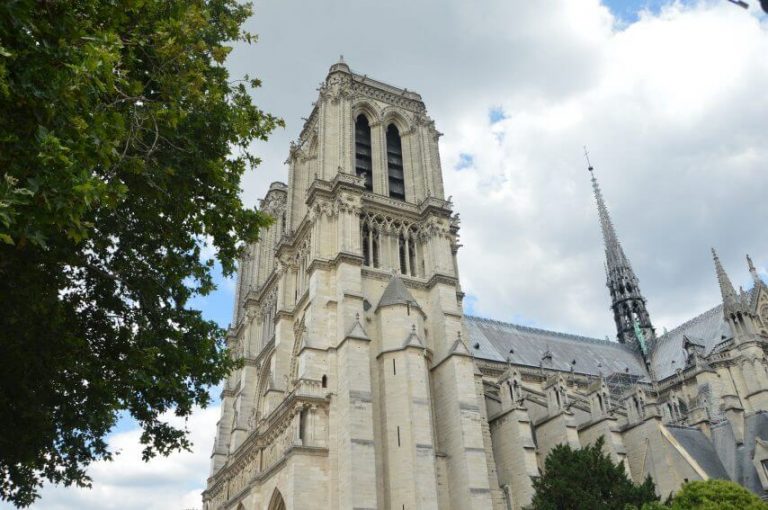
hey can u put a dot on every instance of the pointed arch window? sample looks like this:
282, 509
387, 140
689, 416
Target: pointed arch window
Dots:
370, 242
363, 167
395, 163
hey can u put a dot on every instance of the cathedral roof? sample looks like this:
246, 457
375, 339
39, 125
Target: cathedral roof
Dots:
708, 330
493, 340
701, 449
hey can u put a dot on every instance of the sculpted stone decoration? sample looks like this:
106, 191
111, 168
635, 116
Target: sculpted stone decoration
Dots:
253, 419
337, 88
392, 226
388, 97
402, 119
274, 203
322, 208
436, 227
294, 151
346, 204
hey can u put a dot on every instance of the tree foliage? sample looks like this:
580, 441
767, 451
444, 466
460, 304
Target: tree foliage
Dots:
117, 125
712, 495
587, 479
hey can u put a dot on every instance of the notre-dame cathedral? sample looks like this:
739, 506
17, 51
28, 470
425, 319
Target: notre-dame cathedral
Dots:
365, 386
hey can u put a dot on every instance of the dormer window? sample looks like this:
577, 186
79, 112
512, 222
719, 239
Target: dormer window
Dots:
395, 163
363, 151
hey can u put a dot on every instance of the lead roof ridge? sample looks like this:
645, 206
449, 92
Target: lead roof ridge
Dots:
569, 336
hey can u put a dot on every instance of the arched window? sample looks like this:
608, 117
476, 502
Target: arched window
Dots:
403, 259
366, 246
277, 502
370, 241
363, 151
324, 381
395, 164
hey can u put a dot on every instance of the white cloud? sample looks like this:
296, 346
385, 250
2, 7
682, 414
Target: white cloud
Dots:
127, 483
673, 108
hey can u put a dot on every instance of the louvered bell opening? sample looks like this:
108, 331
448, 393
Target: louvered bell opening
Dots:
363, 151
395, 164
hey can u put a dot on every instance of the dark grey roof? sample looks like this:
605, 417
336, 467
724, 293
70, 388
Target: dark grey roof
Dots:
707, 330
492, 340
396, 293
701, 449
756, 426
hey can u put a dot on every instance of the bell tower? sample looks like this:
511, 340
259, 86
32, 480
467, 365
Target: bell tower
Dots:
357, 391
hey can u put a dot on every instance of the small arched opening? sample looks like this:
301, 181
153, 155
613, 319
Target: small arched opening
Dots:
277, 502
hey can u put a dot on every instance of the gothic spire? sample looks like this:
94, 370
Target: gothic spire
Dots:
614, 253
753, 271
731, 300
633, 323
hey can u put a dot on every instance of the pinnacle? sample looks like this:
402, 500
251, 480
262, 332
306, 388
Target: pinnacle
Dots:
727, 291
753, 271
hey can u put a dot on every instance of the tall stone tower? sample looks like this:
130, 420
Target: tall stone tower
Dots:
633, 323
358, 391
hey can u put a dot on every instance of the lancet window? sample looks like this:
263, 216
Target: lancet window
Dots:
391, 243
371, 246
268, 320
407, 253
363, 166
395, 163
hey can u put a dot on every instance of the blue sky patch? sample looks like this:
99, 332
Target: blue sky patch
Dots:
496, 114
628, 10
469, 304
465, 161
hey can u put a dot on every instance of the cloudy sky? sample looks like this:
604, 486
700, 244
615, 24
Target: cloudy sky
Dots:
670, 98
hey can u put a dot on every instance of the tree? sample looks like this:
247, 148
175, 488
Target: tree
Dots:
587, 479
712, 495
118, 122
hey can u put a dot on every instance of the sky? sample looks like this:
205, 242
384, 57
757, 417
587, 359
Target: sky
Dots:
669, 97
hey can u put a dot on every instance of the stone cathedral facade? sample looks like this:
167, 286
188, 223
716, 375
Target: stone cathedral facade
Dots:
366, 387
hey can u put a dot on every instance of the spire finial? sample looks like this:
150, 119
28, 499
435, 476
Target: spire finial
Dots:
341, 59
586, 156
614, 253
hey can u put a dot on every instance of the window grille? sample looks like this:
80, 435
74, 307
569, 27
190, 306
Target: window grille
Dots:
363, 151
395, 164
